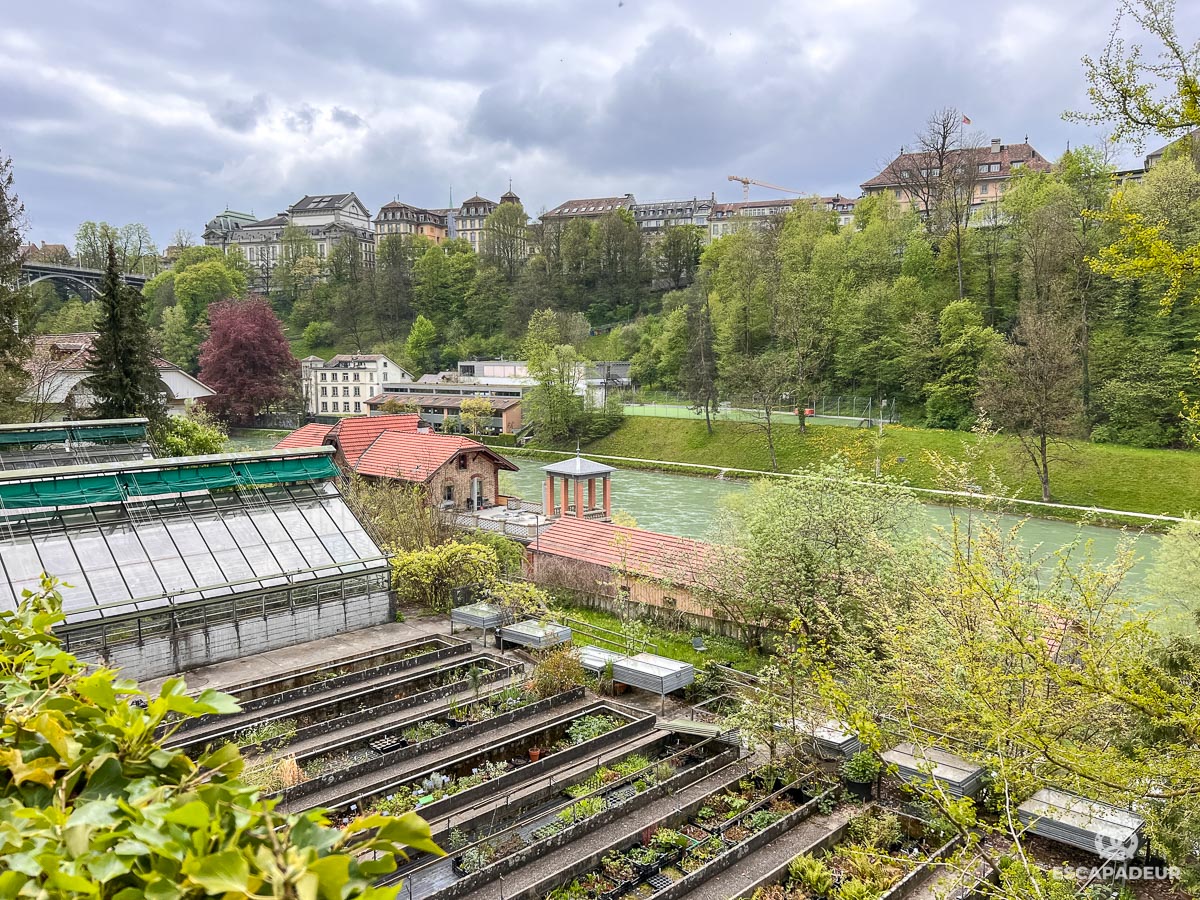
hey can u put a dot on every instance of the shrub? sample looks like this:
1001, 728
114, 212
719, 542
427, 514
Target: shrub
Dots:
559, 670
587, 727
428, 575
281, 731
811, 874
854, 889
667, 839
875, 831
861, 768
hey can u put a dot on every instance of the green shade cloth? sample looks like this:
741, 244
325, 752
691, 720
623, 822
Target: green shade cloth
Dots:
75, 432
33, 436
90, 489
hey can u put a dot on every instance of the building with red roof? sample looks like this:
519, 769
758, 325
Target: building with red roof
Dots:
458, 473
597, 557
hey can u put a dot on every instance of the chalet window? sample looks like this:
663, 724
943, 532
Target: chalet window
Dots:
356, 376
345, 376
322, 376
462, 462
345, 406
983, 189
448, 493
357, 406
1016, 164
356, 393
324, 406
345, 392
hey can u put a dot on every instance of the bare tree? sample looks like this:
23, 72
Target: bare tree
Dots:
940, 176
1033, 391
183, 238
762, 383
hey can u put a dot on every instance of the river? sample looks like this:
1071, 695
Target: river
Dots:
685, 504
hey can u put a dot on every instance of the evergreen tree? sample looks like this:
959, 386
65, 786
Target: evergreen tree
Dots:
16, 305
123, 378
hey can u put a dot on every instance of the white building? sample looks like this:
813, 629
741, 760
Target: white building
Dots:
327, 218
342, 385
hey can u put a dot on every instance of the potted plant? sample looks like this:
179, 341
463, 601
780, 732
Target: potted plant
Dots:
859, 773
535, 753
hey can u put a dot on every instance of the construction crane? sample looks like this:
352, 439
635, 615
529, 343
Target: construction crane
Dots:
746, 182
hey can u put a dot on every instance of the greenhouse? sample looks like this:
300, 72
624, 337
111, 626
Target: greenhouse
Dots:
42, 444
154, 549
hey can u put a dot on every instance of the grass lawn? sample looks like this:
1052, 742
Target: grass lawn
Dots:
1106, 475
254, 439
670, 643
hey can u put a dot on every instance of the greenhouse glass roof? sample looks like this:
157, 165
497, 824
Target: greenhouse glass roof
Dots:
42, 444
150, 552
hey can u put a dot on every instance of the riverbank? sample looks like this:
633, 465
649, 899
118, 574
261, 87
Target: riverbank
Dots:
1155, 482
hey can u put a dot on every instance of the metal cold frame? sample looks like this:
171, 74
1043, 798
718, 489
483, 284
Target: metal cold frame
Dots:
41, 444
154, 565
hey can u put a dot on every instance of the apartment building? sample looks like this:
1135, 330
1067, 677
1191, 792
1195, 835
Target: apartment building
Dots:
656, 216
326, 218
342, 385
726, 218
593, 208
911, 177
401, 218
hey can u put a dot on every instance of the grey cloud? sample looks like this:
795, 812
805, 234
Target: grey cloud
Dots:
658, 97
301, 119
347, 119
240, 115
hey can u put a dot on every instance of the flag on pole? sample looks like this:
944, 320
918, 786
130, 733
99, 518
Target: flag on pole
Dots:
966, 121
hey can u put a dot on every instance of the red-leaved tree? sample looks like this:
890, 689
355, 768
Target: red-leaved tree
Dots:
247, 360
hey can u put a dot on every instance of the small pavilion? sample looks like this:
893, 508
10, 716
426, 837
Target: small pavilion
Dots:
568, 497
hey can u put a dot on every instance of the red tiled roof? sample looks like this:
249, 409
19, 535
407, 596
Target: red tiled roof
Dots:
633, 550
1006, 156
311, 435
70, 352
354, 435
417, 457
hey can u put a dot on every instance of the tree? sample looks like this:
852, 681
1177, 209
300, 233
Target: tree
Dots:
699, 367
132, 245
940, 176
819, 550
762, 383
475, 412
429, 575
182, 239
194, 434
246, 359
123, 378
420, 347
88, 756
16, 306
965, 347
504, 240
1032, 390
555, 404
199, 286
1138, 96
1040, 672
180, 339
677, 254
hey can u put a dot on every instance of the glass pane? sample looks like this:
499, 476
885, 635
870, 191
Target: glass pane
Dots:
216, 535
141, 580
242, 529
58, 558
174, 574
124, 544
157, 542
314, 552
204, 569
21, 560
288, 555
91, 549
233, 565
108, 584
187, 536
293, 520
262, 561
339, 548
268, 526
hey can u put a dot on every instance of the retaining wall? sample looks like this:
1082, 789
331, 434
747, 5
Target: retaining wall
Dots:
183, 650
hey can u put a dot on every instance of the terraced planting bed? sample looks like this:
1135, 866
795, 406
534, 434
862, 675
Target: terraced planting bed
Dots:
877, 854
459, 781
388, 746
689, 846
487, 846
306, 717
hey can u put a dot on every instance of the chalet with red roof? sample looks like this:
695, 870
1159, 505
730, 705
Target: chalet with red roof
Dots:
457, 472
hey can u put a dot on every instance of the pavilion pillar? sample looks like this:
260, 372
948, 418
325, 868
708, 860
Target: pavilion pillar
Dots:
548, 496
578, 499
566, 496
591, 493
607, 498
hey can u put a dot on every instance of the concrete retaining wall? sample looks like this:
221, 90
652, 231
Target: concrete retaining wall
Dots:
181, 651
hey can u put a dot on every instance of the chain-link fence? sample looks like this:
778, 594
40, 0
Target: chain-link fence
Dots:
833, 410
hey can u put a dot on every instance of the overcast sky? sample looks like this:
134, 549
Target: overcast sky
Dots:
165, 113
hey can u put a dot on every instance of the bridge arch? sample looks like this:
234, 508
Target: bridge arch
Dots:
63, 276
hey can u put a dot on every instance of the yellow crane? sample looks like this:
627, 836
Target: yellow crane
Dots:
746, 182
